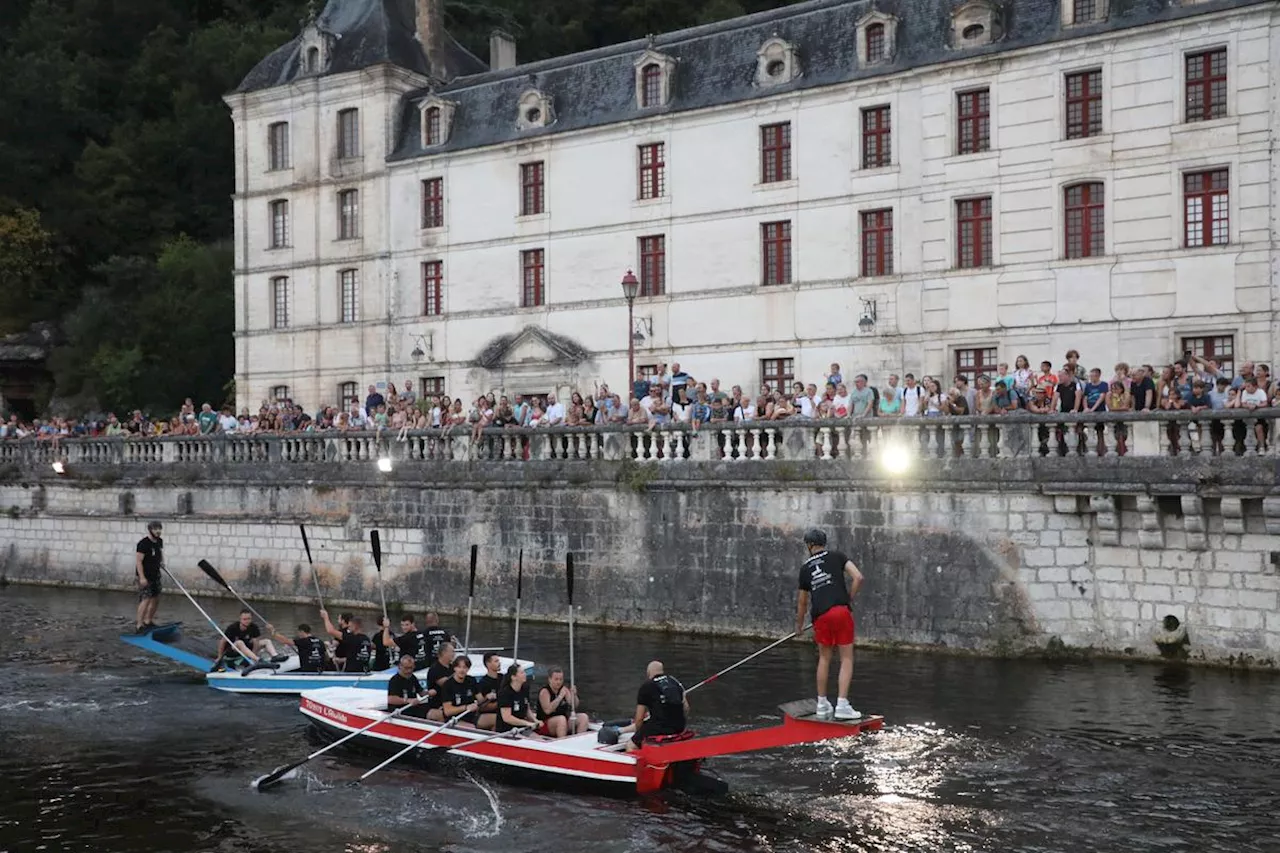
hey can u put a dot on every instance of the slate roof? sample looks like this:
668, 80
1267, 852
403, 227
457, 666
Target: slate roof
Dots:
716, 63
369, 32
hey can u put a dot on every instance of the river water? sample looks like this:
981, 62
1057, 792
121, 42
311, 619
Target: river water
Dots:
104, 749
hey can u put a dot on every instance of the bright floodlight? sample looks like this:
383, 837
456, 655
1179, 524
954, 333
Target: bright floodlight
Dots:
895, 459
384, 464
59, 467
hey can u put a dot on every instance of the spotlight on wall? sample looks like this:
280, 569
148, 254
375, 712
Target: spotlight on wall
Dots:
59, 467
384, 464
895, 459
868, 320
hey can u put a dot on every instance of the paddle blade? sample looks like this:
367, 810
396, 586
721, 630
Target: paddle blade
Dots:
209, 570
276, 775
375, 542
568, 572
520, 575
475, 550
305, 543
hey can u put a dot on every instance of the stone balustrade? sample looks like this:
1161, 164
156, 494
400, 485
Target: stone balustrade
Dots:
992, 437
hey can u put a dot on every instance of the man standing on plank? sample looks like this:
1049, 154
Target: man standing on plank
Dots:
824, 595
147, 564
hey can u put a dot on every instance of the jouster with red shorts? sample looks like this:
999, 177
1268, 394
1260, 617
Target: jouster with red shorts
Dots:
822, 575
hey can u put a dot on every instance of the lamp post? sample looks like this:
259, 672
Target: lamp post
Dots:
630, 289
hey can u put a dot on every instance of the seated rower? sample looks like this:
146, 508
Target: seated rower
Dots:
556, 707
440, 672
312, 654
355, 650
410, 642
515, 711
660, 707
490, 683
459, 697
404, 688
247, 640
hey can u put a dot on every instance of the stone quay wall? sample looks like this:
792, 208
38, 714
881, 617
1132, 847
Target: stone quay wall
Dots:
974, 545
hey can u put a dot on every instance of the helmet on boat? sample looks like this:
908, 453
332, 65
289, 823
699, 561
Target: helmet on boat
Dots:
608, 735
815, 537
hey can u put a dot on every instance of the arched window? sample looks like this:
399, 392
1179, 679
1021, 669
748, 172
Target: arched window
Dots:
312, 64
651, 85
875, 43
431, 127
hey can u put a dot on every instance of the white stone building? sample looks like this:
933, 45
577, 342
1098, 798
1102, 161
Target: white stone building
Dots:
970, 180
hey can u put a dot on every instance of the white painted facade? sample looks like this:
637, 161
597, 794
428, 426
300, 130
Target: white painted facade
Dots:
1135, 303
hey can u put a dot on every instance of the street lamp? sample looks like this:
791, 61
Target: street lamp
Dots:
631, 289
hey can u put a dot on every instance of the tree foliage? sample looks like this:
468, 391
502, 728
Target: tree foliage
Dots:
116, 152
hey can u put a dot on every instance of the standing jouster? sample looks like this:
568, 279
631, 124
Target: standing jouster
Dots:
147, 564
824, 594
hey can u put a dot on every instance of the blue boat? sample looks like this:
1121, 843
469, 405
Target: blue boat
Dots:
280, 678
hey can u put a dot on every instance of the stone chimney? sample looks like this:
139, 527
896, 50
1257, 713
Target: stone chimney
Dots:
502, 51
429, 24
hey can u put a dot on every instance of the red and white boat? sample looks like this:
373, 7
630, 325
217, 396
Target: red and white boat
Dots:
656, 766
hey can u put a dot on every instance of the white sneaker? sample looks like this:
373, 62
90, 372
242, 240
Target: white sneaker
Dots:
824, 709
845, 711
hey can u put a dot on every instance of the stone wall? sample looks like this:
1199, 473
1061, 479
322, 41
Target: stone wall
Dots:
992, 555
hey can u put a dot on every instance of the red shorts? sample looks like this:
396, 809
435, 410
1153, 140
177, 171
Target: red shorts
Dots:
834, 628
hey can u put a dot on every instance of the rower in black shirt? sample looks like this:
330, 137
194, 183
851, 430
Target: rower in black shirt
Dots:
410, 642
436, 635
354, 652
312, 654
556, 702
660, 707
458, 696
246, 639
147, 565
439, 672
515, 711
404, 688
490, 683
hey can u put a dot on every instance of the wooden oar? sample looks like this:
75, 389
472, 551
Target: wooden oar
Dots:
471, 594
573, 684
772, 645
216, 626
315, 577
515, 645
453, 721
280, 772
209, 570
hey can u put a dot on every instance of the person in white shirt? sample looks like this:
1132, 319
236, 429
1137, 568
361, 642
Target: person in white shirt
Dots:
913, 397
555, 412
227, 422
744, 411
1253, 397
841, 404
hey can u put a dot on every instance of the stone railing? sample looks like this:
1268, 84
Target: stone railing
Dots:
1232, 432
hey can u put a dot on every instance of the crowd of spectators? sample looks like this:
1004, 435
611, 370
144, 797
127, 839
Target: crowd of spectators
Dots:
672, 395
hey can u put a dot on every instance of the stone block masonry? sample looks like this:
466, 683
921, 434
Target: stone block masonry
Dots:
991, 555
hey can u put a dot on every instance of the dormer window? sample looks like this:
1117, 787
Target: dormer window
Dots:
534, 110
777, 63
315, 49
975, 24
437, 120
1079, 12
877, 35
654, 72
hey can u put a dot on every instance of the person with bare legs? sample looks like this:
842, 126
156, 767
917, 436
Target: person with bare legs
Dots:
825, 596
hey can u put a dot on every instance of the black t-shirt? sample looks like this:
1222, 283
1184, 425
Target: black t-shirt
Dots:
152, 551
404, 687
437, 637
457, 694
1140, 390
418, 644
823, 576
487, 684
356, 650
562, 710
664, 697
1067, 392
437, 673
311, 654
517, 701
235, 633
